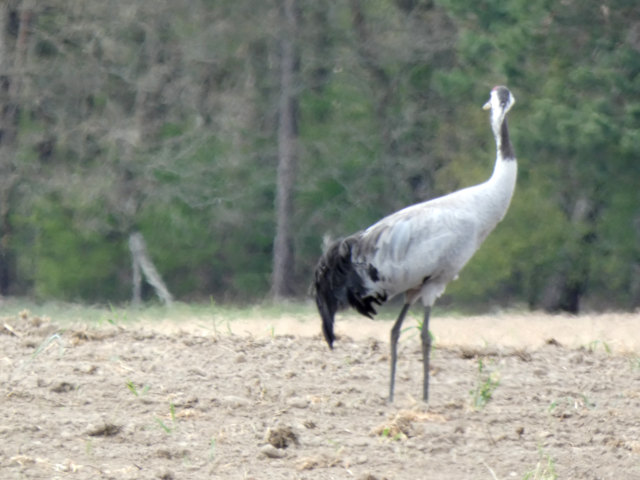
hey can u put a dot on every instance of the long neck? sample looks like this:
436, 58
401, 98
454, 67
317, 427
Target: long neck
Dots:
503, 143
503, 181
504, 149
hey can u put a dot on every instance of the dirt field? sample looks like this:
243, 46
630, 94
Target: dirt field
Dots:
512, 396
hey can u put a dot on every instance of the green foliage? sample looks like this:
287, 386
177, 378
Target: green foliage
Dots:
163, 119
573, 85
68, 264
510, 266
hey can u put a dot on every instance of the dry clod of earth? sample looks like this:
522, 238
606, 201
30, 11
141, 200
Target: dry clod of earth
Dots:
297, 402
281, 437
234, 401
320, 461
105, 430
63, 387
402, 423
272, 452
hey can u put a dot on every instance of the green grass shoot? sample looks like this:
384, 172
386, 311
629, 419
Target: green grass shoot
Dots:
487, 382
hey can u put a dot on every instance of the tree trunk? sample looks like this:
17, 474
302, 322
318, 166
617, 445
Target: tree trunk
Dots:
562, 295
568, 284
142, 264
635, 287
283, 259
13, 57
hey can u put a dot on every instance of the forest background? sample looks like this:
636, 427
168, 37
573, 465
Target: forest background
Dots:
218, 143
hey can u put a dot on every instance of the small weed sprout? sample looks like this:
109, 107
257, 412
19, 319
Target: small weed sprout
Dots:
418, 329
575, 403
585, 401
212, 448
163, 425
337, 446
592, 346
487, 382
134, 389
545, 469
48, 341
172, 413
115, 317
386, 433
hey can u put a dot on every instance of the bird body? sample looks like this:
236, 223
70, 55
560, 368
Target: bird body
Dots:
421, 248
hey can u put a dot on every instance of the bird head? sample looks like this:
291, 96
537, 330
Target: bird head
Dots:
500, 102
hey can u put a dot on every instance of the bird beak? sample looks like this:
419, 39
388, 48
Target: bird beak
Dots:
487, 106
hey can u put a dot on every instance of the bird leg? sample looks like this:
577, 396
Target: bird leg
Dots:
426, 352
395, 334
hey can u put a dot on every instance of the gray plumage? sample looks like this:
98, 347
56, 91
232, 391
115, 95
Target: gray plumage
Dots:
418, 250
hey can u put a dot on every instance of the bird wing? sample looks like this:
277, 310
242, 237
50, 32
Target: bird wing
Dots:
425, 241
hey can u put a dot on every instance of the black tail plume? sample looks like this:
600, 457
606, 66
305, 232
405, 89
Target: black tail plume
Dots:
338, 285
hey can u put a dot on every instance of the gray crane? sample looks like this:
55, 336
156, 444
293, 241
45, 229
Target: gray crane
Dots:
418, 250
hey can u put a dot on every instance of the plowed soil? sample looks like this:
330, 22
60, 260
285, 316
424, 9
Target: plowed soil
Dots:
518, 397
